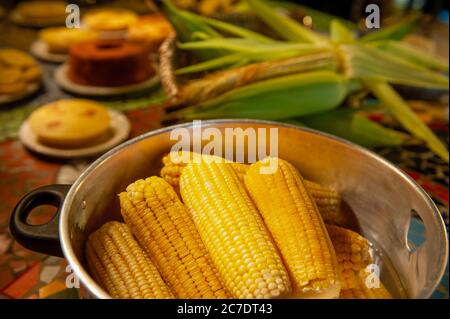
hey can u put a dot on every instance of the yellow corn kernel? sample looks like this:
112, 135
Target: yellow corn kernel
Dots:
233, 231
174, 162
295, 223
163, 227
119, 264
363, 292
328, 200
353, 255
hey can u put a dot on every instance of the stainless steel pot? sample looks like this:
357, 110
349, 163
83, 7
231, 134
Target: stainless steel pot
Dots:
382, 197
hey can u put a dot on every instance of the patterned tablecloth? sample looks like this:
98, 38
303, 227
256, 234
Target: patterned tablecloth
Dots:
25, 274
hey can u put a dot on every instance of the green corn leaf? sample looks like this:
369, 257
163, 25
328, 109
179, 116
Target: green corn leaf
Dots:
212, 64
254, 50
284, 26
248, 45
369, 62
348, 124
400, 109
279, 98
340, 33
321, 20
395, 32
412, 54
235, 30
188, 26
199, 36
186, 22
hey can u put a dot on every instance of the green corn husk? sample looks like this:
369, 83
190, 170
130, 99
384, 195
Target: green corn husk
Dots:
395, 32
215, 84
244, 51
285, 27
412, 54
211, 64
348, 124
275, 99
400, 109
321, 20
186, 23
369, 62
339, 33
188, 26
235, 30
250, 46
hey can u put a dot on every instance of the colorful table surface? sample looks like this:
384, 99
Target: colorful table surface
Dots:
25, 274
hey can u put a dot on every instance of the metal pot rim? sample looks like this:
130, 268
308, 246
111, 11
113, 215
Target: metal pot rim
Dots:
97, 291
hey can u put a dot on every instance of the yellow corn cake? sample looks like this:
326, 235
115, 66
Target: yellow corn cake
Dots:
70, 123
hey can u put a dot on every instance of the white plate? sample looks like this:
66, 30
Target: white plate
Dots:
120, 128
30, 90
40, 50
66, 83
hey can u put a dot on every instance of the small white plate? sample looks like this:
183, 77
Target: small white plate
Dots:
40, 50
120, 130
30, 90
67, 84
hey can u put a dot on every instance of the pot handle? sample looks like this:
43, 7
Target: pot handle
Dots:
39, 238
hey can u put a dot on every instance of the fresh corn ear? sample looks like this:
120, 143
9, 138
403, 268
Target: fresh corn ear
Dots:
217, 83
233, 231
120, 265
274, 99
328, 200
293, 219
163, 227
353, 254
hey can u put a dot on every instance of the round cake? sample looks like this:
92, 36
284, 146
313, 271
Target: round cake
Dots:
59, 39
18, 70
70, 123
42, 12
112, 62
153, 28
110, 19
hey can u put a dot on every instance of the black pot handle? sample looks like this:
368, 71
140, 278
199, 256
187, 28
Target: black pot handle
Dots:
39, 238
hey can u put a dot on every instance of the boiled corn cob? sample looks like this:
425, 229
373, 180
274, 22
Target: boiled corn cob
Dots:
328, 200
120, 265
353, 255
233, 231
163, 227
295, 223
172, 167
363, 292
